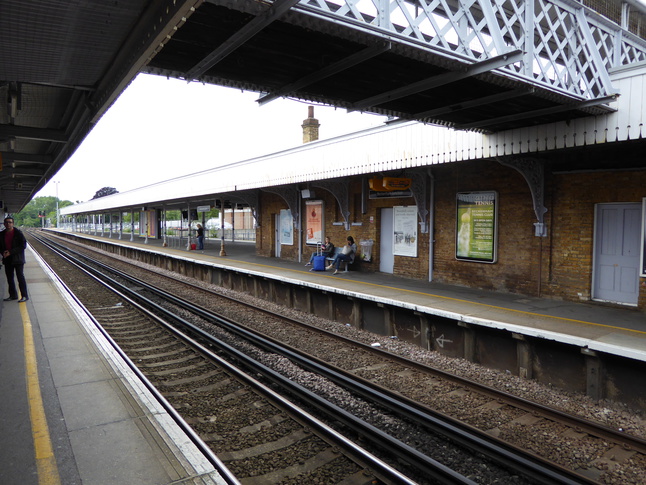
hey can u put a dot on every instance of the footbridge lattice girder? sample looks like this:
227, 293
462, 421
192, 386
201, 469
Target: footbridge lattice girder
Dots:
568, 47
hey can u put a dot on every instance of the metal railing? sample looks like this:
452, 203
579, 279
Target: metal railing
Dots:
566, 46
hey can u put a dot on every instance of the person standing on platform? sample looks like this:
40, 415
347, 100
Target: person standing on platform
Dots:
200, 237
12, 247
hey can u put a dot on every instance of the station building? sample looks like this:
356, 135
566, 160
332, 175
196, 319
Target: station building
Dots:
553, 210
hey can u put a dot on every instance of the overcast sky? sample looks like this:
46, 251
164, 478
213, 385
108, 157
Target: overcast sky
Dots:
162, 128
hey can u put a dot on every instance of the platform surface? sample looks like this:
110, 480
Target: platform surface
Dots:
99, 426
614, 329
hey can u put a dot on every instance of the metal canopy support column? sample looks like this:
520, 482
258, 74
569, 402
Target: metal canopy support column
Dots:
418, 188
164, 226
223, 251
534, 173
251, 199
188, 231
132, 224
340, 189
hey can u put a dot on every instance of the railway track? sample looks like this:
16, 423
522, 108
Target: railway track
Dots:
373, 365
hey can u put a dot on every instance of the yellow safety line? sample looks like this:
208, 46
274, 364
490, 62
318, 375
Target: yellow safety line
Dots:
45, 459
523, 312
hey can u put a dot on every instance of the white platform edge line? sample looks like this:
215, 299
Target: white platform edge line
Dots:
186, 452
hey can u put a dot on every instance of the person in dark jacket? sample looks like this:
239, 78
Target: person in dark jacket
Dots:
200, 237
12, 248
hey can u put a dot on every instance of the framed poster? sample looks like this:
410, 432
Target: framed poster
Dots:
314, 221
405, 229
643, 255
147, 223
286, 227
477, 226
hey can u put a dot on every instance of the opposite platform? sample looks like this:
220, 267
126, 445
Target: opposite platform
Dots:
598, 327
97, 423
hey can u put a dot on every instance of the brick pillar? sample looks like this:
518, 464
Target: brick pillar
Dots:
310, 126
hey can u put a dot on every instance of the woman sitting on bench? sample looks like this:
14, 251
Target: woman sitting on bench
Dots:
347, 255
327, 250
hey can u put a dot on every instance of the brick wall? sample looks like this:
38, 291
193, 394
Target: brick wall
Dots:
516, 268
573, 198
558, 266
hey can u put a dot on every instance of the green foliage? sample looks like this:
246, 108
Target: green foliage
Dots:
173, 215
29, 215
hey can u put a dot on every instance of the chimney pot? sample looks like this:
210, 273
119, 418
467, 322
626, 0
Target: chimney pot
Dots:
310, 126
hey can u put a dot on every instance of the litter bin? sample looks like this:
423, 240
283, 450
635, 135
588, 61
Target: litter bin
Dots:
193, 246
366, 249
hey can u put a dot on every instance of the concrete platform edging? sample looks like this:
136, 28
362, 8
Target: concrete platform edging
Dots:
197, 468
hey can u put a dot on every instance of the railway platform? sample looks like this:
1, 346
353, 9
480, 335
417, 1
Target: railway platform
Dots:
72, 412
598, 327
587, 347
87, 420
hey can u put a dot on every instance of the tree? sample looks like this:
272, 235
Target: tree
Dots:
28, 216
105, 191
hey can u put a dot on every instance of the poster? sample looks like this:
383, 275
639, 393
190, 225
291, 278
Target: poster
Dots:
286, 227
314, 221
147, 223
405, 228
476, 227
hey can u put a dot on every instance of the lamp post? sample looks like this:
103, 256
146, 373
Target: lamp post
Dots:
58, 216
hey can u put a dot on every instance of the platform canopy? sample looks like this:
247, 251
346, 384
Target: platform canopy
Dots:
480, 65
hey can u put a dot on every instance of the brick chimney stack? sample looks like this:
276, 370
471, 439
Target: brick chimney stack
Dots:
310, 126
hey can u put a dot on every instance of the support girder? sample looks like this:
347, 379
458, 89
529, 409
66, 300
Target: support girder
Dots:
567, 47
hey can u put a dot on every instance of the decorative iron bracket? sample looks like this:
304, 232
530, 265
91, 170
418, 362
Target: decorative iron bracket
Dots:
534, 173
290, 194
250, 198
419, 189
340, 189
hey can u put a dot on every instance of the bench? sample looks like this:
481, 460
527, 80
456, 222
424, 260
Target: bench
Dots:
339, 250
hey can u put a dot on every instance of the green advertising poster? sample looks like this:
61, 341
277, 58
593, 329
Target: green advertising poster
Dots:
476, 228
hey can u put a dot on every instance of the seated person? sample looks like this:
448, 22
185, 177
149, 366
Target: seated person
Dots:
349, 250
327, 250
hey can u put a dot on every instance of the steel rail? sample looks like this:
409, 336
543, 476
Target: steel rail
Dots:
529, 464
440, 472
225, 473
626, 440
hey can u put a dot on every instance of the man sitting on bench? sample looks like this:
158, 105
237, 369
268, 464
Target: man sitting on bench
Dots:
346, 255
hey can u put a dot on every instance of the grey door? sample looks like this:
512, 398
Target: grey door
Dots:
386, 256
616, 256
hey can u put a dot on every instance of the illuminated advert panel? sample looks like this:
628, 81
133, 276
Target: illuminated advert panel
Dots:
314, 223
477, 227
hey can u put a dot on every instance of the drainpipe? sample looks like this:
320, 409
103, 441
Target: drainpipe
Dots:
431, 232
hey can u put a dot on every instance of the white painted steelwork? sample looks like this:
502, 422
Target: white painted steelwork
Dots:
395, 147
567, 47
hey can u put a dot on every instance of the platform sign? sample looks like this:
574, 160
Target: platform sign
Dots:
476, 227
203, 208
643, 254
